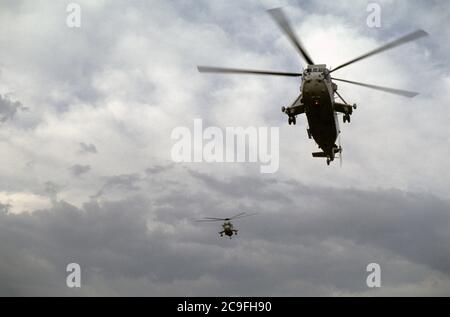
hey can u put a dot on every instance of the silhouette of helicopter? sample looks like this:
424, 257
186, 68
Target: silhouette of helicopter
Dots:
318, 90
228, 228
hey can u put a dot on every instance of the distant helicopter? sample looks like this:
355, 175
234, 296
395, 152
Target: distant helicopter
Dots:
228, 228
317, 90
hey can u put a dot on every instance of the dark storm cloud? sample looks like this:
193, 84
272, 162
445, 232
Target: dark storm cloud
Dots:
9, 108
408, 224
78, 170
314, 244
93, 237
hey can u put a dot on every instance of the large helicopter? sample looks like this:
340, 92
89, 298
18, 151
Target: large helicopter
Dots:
318, 91
228, 228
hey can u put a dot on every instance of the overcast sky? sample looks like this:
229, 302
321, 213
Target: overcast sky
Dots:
86, 175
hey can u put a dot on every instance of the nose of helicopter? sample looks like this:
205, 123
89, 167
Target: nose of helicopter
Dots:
313, 88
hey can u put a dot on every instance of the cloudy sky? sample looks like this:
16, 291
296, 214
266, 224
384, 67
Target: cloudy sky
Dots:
86, 175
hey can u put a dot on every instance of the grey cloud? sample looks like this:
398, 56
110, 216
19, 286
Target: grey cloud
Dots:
87, 148
409, 224
257, 188
52, 189
78, 170
9, 108
318, 244
157, 169
4, 208
124, 182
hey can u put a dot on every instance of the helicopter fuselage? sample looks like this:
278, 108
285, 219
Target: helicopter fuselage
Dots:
318, 100
228, 229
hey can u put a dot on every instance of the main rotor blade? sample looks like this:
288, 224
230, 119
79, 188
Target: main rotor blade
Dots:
242, 215
404, 93
280, 18
340, 97
238, 215
405, 39
208, 220
209, 69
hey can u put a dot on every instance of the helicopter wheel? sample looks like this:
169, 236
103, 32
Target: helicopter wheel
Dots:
290, 120
346, 118
294, 120
328, 161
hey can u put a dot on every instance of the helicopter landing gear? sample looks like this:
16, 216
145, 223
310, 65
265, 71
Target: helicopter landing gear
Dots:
292, 120
331, 158
346, 118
